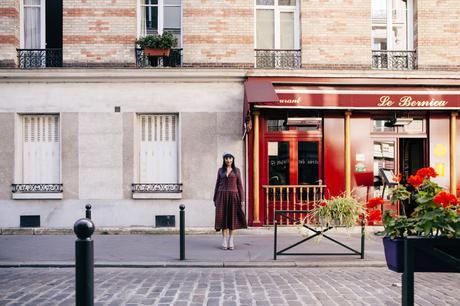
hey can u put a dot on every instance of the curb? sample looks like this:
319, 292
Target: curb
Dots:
196, 264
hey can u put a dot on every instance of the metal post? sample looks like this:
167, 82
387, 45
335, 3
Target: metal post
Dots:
362, 238
182, 231
276, 231
408, 274
88, 211
84, 262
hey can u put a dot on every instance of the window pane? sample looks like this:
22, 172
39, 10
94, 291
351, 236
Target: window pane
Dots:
172, 2
171, 17
32, 33
308, 162
265, 2
379, 9
31, 2
275, 125
287, 2
287, 30
278, 163
265, 29
399, 27
149, 21
150, 2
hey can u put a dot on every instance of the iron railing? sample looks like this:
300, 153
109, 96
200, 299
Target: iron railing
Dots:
36, 188
278, 59
173, 60
156, 188
39, 58
394, 60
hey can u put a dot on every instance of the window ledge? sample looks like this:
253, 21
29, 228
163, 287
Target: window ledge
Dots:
37, 196
157, 195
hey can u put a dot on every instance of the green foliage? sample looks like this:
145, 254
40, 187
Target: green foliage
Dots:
164, 41
342, 211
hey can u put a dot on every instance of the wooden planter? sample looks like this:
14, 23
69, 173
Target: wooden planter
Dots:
429, 255
156, 52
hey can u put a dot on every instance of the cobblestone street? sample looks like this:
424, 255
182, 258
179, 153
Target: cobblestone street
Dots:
227, 286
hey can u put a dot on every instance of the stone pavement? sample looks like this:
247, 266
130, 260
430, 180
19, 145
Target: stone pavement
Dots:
227, 286
252, 249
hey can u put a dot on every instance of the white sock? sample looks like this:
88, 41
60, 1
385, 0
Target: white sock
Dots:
224, 242
230, 241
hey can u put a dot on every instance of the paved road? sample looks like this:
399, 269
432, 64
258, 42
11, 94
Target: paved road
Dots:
227, 286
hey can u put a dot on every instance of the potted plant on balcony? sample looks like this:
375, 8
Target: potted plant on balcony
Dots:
434, 219
157, 45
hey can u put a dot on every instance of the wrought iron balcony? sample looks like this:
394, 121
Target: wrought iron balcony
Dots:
394, 60
278, 59
173, 60
156, 188
39, 58
36, 188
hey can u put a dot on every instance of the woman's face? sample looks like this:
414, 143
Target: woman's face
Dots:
228, 160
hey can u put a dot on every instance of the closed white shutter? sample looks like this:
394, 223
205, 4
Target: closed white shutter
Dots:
41, 149
158, 148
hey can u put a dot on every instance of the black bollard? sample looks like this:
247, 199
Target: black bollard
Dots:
88, 211
84, 262
182, 231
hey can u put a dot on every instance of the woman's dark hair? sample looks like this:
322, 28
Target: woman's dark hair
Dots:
224, 166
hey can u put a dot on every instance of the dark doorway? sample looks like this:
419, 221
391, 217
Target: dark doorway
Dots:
53, 33
412, 155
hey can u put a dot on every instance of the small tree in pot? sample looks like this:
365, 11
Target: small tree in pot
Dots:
157, 45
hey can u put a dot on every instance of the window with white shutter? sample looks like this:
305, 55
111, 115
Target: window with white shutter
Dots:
158, 154
39, 151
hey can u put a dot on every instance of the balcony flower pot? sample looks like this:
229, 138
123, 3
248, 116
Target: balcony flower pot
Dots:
157, 45
424, 260
156, 52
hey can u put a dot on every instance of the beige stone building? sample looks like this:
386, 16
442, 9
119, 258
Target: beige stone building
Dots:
86, 116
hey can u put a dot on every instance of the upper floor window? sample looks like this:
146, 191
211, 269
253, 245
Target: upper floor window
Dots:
277, 24
156, 16
392, 25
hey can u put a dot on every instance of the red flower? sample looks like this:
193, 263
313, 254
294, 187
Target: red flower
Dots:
324, 203
374, 202
415, 180
427, 172
445, 199
374, 215
397, 178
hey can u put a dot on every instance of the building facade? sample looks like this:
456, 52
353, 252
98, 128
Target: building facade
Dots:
315, 98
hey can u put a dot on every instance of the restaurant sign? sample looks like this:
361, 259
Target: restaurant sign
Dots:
367, 100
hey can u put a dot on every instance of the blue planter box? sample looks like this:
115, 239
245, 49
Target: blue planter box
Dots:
425, 260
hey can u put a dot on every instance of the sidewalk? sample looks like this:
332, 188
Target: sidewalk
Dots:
148, 248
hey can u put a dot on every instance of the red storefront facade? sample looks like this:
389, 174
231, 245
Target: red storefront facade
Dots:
310, 138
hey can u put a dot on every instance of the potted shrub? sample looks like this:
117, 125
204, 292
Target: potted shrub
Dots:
157, 45
435, 218
339, 211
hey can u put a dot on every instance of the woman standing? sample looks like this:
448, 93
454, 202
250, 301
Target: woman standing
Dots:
228, 195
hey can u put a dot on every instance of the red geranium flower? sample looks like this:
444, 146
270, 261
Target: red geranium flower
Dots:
374, 215
374, 202
445, 199
324, 203
415, 180
427, 172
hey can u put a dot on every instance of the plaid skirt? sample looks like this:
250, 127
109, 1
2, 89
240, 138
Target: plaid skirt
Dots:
229, 214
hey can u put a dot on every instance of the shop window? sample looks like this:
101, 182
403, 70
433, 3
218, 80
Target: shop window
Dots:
157, 16
276, 125
384, 158
407, 126
158, 164
38, 165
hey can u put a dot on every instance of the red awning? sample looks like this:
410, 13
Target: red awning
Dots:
260, 91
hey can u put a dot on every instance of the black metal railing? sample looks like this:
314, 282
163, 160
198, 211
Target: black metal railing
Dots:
173, 60
36, 188
278, 59
157, 188
394, 60
39, 58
